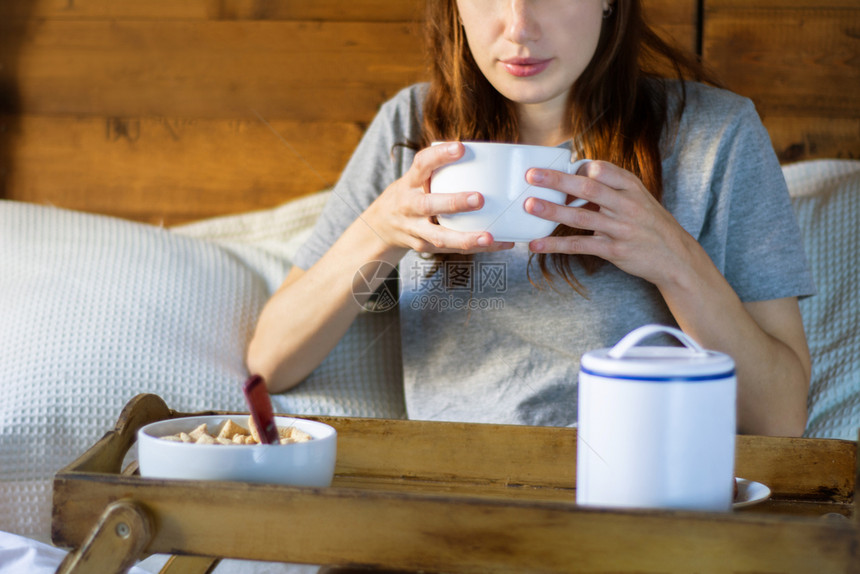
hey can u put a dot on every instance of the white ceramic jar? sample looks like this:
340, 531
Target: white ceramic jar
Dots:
656, 425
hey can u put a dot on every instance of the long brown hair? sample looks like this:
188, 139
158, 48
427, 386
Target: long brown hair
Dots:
618, 108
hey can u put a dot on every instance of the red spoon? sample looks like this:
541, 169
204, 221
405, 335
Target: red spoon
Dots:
260, 406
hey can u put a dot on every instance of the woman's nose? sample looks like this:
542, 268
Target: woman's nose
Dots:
522, 26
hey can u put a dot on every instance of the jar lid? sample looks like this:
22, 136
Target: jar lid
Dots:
688, 363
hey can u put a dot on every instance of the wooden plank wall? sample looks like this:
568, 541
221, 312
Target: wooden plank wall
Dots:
799, 60
172, 110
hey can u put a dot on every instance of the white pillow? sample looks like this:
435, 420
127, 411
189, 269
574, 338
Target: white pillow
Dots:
363, 375
95, 310
826, 199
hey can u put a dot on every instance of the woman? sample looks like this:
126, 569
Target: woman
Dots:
689, 223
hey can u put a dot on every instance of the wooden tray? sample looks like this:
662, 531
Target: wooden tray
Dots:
454, 497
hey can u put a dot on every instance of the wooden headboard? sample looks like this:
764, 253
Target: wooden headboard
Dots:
167, 111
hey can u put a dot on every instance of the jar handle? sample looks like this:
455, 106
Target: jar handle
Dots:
636, 336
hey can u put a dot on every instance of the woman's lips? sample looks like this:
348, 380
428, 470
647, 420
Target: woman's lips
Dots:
525, 67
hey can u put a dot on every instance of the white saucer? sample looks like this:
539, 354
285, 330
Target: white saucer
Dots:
750, 492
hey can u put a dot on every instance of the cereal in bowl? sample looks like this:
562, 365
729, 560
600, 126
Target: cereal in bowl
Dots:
232, 433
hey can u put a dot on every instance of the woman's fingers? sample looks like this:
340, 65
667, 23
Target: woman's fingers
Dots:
408, 209
431, 204
431, 158
617, 197
433, 238
577, 217
439, 239
425, 163
596, 182
631, 228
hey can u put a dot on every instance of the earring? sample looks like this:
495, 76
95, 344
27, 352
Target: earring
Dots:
607, 10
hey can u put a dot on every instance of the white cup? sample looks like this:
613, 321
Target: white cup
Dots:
656, 426
498, 172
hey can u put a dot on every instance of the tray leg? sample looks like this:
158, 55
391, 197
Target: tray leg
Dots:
122, 533
190, 565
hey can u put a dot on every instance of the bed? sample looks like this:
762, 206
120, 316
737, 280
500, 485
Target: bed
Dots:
161, 161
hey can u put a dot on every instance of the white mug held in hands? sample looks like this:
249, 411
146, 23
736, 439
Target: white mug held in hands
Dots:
498, 172
656, 425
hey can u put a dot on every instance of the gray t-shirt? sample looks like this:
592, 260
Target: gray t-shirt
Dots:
486, 345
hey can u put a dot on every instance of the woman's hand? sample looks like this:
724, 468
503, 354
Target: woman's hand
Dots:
631, 228
403, 215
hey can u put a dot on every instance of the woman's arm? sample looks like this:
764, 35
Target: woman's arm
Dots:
634, 232
766, 340
313, 309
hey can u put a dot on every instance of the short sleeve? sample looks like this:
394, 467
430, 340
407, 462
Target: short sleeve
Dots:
383, 155
750, 229
765, 256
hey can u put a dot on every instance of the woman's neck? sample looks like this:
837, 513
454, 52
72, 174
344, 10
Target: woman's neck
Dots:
542, 124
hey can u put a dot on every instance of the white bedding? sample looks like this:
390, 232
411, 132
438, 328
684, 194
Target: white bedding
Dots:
826, 198
21, 555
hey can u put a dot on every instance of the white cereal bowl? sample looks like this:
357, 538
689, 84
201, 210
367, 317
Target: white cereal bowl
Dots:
309, 463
